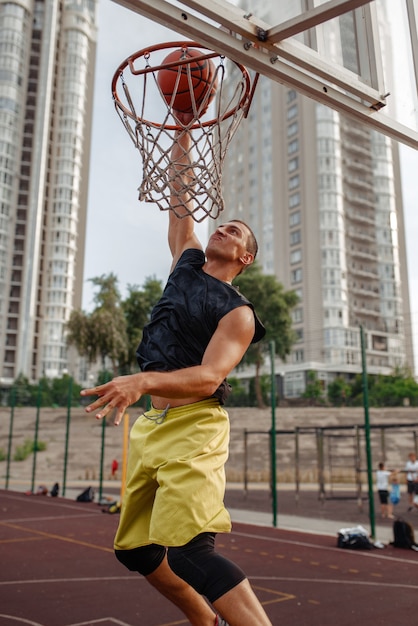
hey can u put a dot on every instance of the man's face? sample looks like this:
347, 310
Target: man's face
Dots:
229, 239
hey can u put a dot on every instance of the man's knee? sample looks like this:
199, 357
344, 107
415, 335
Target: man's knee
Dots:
144, 559
209, 573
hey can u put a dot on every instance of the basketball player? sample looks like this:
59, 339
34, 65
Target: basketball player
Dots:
173, 503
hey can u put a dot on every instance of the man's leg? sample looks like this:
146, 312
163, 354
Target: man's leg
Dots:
218, 579
151, 562
180, 593
411, 491
241, 607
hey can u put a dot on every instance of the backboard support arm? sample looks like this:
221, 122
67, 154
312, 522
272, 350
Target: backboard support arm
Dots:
282, 61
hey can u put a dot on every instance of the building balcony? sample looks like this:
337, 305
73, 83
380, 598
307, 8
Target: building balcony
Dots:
355, 181
363, 311
356, 273
360, 217
357, 148
365, 293
357, 165
361, 254
355, 130
360, 235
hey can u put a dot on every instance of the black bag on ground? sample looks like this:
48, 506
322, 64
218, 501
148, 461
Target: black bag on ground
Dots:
403, 535
55, 490
356, 538
86, 496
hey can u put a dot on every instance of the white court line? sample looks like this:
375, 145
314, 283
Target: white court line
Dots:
47, 501
101, 620
348, 581
49, 518
374, 553
332, 581
87, 579
21, 620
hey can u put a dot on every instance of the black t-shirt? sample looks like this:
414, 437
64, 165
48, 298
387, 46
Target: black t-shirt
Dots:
187, 315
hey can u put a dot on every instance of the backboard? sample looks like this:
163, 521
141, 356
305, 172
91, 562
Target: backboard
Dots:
359, 57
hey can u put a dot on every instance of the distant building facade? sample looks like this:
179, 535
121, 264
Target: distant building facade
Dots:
323, 196
47, 61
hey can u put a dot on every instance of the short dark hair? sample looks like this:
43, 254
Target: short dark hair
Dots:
252, 244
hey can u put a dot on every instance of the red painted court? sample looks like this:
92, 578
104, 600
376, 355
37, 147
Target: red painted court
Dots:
58, 569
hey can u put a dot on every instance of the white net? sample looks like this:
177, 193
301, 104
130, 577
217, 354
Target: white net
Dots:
139, 100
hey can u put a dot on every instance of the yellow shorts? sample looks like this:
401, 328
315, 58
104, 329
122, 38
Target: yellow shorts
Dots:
175, 478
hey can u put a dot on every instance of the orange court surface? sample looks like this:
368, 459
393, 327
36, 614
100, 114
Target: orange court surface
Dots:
58, 569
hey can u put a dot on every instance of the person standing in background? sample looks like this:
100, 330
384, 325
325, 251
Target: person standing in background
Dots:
382, 484
411, 469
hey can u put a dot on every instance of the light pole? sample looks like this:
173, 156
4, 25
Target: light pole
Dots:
67, 430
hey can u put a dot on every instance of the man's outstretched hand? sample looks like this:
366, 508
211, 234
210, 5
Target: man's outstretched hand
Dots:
118, 394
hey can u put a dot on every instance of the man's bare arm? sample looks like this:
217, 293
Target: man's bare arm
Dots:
224, 352
181, 233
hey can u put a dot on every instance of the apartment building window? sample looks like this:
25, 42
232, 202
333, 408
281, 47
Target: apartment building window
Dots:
296, 276
294, 218
296, 256
293, 146
291, 95
299, 335
351, 358
292, 129
292, 111
297, 315
294, 182
294, 200
298, 356
295, 237
293, 164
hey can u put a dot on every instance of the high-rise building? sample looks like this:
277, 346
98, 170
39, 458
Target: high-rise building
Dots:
47, 61
323, 196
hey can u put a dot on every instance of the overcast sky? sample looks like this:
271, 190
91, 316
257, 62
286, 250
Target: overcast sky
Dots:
126, 237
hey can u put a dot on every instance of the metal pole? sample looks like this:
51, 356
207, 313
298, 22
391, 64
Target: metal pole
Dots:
320, 453
35, 441
9, 447
124, 455
102, 451
358, 469
67, 432
245, 461
297, 464
367, 435
273, 434
383, 443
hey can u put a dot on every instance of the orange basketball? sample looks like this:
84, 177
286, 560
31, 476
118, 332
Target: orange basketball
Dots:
199, 78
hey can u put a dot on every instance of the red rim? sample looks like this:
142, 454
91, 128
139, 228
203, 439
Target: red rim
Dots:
129, 62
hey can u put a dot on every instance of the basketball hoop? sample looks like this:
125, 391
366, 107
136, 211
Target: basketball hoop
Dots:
139, 100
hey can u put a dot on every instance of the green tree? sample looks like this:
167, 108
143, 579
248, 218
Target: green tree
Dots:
314, 389
101, 333
392, 390
339, 392
383, 390
137, 309
60, 391
274, 306
22, 391
356, 396
41, 392
239, 393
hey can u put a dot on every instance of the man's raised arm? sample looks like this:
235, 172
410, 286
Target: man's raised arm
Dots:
181, 233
